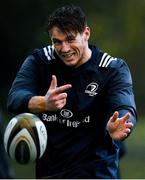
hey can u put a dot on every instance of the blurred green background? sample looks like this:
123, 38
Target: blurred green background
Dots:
118, 27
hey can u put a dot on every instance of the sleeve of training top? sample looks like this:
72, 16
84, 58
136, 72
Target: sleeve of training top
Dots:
25, 86
120, 96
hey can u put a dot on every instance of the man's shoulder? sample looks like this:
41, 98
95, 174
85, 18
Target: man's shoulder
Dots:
109, 65
45, 53
108, 61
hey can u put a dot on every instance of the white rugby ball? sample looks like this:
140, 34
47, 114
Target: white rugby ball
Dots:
25, 138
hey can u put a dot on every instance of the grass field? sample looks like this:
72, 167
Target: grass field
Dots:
132, 165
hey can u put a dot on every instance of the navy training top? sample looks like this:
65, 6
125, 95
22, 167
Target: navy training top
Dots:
79, 145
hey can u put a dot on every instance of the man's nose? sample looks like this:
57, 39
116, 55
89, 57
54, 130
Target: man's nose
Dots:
65, 47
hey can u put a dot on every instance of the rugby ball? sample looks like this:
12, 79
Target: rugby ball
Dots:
25, 138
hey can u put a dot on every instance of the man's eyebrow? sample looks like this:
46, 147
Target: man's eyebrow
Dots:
70, 37
55, 39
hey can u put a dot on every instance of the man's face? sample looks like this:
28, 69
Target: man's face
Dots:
71, 48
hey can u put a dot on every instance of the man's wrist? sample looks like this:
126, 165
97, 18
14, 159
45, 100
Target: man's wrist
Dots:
37, 104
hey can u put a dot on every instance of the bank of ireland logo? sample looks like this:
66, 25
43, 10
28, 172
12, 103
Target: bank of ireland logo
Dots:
91, 89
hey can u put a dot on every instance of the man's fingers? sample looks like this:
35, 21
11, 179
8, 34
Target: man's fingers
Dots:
114, 116
126, 117
53, 84
129, 125
127, 130
61, 96
62, 89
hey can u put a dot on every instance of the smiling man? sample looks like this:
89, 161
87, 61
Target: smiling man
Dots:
83, 95
72, 48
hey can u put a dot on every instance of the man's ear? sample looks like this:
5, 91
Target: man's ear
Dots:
86, 33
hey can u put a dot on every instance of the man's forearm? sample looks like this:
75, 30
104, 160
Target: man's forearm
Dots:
37, 104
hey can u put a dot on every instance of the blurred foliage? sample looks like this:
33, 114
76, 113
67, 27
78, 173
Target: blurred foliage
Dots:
117, 27
133, 163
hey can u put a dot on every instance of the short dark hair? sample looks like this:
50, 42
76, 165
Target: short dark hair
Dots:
68, 18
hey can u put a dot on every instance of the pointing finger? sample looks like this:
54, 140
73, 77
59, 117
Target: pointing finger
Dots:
63, 88
53, 84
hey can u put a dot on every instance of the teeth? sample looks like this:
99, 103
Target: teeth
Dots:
67, 55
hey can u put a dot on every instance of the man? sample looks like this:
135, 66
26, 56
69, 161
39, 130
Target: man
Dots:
84, 97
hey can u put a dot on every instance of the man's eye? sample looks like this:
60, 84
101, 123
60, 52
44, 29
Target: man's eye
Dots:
56, 42
71, 40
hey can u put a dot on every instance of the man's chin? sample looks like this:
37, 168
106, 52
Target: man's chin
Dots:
69, 63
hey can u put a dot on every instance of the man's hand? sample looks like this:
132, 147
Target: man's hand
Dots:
119, 128
56, 96
54, 100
